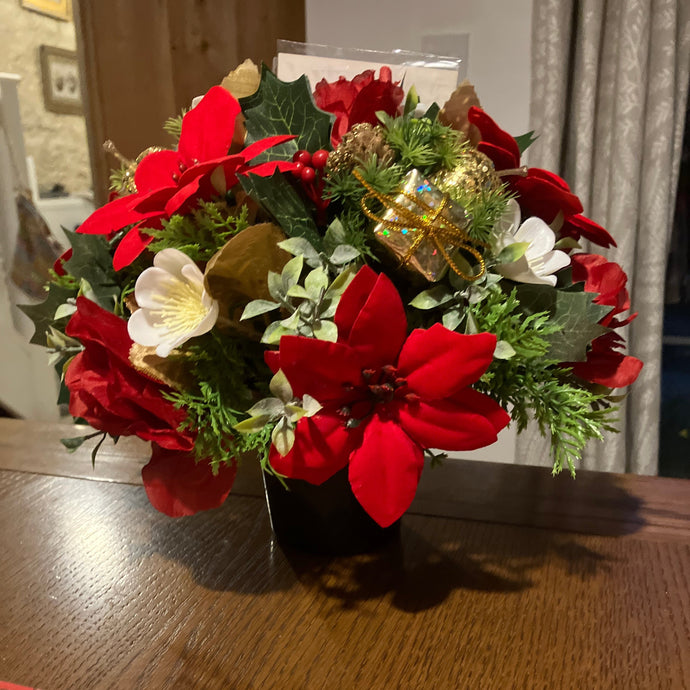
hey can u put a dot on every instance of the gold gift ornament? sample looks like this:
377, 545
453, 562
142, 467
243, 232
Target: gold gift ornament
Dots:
423, 227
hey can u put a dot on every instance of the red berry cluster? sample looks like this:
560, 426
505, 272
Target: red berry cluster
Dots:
309, 170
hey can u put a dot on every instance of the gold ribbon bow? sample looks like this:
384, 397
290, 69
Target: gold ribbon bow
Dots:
430, 225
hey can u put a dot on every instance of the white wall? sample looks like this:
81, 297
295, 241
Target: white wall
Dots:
499, 42
57, 142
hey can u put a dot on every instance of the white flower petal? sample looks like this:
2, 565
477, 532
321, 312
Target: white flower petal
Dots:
141, 331
174, 306
193, 274
554, 261
150, 285
538, 234
172, 261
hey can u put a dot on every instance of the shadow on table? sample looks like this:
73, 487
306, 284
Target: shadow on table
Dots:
232, 549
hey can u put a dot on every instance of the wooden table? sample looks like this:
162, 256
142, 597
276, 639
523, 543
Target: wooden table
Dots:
522, 581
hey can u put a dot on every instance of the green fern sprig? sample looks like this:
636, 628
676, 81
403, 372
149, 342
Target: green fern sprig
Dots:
202, 233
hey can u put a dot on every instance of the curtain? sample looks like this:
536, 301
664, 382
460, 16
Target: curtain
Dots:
609, 90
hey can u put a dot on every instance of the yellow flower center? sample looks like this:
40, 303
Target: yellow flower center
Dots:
182, 308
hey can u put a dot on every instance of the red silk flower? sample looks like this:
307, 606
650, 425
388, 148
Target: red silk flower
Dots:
605, 365
358, 100
177, 485
540, 193
108, 392
386, 396
168, 182
112, 396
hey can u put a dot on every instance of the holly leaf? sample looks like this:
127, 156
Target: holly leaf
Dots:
574, 313
92, 261
43, 314
524, 141
280, 199
280, 107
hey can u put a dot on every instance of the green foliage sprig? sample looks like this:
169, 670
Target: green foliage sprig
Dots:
216, 402
535, 386
202, 233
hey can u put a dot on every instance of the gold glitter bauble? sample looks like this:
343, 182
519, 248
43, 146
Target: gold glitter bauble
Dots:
474, 174
357, 145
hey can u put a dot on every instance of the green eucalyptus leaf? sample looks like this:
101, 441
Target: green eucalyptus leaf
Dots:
311, 405
512, 252
299, 245
257, 307
280, 387
335, 235
452, 318
316, 283
326, 330
567, 243
291, 272
432, 298
343, 254
504, 350
274, 333
294, 413
275, 285
253, 425
268, 408
292, 321
471, 327
339, 285
328, 307
298, 291
283, 437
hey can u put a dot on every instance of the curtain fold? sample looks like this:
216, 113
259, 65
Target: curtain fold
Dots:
609, 90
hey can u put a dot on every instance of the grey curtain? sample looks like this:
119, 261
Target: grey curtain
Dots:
609, 89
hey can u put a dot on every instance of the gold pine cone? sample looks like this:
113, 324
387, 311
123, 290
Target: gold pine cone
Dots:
360, 143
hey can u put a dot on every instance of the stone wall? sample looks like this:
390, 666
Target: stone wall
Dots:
57, 142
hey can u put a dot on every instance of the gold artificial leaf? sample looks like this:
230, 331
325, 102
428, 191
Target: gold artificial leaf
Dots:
236, 274
243, 81
454, 112
167, 370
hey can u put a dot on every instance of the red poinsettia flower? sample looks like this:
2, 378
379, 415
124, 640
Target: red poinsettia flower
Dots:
358, 100
168, 182
108, 392
386, 396
605, 364
177, 485
540, 193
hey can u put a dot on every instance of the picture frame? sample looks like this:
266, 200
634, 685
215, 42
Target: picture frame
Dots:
59, 9
61, 84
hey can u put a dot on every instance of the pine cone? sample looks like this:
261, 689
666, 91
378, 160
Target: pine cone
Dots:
357, 145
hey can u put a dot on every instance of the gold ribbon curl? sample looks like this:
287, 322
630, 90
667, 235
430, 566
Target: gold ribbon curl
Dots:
430, 225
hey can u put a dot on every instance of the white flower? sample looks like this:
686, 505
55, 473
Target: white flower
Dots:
534, 242
173, 305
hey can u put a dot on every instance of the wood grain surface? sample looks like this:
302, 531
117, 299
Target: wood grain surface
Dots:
99, 591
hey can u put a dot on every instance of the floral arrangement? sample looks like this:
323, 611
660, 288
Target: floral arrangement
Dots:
329, 280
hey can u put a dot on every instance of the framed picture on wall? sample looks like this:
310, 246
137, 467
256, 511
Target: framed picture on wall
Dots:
60, 9
60, 75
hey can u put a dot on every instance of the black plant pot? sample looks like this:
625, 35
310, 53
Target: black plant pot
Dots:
324, 519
